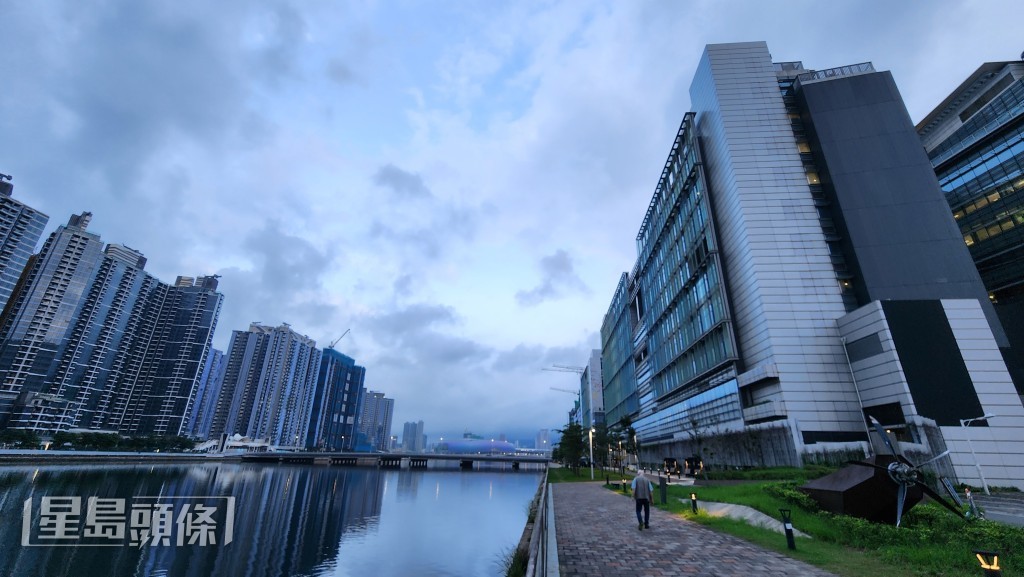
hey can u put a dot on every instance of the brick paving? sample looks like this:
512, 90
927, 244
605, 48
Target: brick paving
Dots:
598, 536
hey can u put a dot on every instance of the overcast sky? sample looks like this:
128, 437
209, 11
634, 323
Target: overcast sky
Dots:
459, 183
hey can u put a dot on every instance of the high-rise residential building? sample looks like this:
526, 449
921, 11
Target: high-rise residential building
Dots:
798, 270
413, 439
93, 354
269, 386
337, 403
157, 389
207, 392
592, 391
42, 308
20, 229
130, 357
375, 421
975, 140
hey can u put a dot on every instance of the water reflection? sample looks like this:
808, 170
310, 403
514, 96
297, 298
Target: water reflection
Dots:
301, 520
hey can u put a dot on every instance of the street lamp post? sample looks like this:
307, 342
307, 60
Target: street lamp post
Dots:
591, 433
965, 423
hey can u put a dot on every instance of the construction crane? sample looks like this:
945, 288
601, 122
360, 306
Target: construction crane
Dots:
565, 369
331, 346
577, 393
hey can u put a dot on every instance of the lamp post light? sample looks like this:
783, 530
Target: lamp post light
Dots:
591, 434
966, 423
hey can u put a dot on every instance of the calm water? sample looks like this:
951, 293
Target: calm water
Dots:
287, 520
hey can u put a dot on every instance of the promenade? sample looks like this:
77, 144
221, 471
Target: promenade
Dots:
598, 537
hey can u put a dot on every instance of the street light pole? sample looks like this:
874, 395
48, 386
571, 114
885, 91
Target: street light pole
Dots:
591, 433
964, 423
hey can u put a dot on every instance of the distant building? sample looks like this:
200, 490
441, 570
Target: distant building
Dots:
205, 403
543, 440
592, 392
975, 141
413, 439
468, 446
20, 230
337, 403
269, 386
375, 422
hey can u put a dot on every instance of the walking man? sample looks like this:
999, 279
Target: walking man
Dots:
642, 492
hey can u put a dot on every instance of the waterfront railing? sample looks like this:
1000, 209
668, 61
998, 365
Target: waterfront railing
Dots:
543, 560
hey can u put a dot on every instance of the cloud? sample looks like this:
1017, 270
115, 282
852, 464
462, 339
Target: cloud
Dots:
285, 279
558, 278
400, 182
340, 72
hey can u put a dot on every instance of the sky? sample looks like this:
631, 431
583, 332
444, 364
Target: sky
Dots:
458, 184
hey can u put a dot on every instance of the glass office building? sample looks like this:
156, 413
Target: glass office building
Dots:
975, 140
795, 239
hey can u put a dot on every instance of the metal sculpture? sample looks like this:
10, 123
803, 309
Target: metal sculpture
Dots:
869, 493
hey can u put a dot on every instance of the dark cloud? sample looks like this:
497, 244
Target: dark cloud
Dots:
413, 319
340, 72
418, 335
402, 183
446, 224
558, 278
285, 281
289, 264
403, 285
283, 32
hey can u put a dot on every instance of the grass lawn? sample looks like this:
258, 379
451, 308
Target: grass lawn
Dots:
931, 542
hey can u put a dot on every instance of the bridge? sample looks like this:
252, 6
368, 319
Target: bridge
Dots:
390, 460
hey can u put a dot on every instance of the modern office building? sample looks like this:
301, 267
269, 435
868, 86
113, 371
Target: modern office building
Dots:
375, 421
975, 140
797, 271
592, 391
269, 385
413, 439
20, 230
337, 403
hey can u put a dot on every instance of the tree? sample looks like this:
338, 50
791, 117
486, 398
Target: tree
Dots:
604, 440
571, 446
628, 435
19, 438
698, 435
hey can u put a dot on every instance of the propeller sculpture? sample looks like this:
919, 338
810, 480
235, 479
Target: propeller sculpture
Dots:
866, 490
905, 474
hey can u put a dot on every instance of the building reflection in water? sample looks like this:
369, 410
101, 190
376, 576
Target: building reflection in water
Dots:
288, 520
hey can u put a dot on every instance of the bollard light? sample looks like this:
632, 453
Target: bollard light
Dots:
787, 524
989, 562
693, 502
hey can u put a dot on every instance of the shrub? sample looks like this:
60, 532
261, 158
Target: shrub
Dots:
791, 494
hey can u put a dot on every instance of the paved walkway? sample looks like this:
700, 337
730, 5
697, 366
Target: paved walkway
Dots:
598, 536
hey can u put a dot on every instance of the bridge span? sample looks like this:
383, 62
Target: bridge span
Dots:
391, 460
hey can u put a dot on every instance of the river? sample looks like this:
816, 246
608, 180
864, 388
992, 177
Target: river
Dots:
258, 520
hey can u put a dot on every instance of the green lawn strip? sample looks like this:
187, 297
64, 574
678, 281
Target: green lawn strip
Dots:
932, 542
